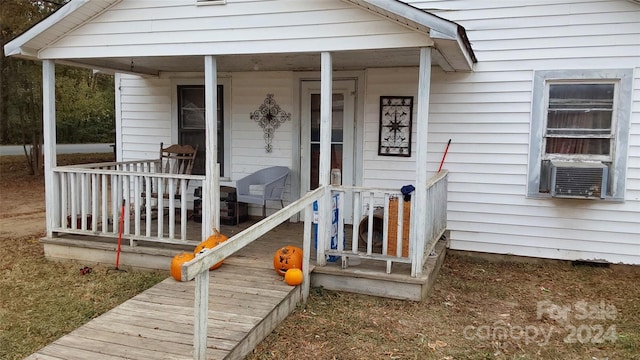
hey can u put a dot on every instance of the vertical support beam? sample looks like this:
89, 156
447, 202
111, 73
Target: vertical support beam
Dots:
306, 252
200, 311
117, 145
326, 95
419, 199
211, 186
324, 208
49, 151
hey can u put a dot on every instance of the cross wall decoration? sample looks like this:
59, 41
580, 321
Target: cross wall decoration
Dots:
269, 116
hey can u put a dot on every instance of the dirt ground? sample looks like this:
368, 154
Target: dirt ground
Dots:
22, 202
22, 207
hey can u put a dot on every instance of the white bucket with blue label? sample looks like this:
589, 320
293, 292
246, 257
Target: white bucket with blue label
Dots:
334, 227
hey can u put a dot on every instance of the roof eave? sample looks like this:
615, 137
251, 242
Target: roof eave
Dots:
454, 51
450, 39
19, 46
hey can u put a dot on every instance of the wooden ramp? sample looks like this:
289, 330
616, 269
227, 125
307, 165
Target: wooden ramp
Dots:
247, 301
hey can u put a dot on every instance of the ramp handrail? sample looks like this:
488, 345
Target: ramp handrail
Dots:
198, 268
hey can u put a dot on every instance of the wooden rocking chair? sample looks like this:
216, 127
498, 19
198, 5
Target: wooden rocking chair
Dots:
175, 159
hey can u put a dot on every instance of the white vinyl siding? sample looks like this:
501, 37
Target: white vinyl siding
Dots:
248, 153
249, 92
487, 114
145, 116
166, 28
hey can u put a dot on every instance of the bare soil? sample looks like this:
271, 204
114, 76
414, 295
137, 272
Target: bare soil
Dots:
477, 310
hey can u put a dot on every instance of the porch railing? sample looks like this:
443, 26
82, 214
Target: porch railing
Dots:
90, 200
199, 267
381, 223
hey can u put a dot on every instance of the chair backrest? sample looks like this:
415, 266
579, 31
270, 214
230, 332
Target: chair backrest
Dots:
177, 159
273, 178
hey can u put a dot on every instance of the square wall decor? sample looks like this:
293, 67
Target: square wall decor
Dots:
396, 113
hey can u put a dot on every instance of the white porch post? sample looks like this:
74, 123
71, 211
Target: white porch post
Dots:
211, 186
211, 203
419, 198
326, 93
49, 133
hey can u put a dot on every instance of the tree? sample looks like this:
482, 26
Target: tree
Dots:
84, 99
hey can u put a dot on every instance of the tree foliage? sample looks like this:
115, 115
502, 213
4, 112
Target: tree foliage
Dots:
84, 98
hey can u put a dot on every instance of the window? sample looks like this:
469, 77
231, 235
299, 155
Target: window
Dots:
580, 117
191, 124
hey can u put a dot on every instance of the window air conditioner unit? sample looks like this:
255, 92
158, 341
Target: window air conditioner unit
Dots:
579, 180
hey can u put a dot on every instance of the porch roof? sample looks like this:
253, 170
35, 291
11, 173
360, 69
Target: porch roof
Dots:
452, 50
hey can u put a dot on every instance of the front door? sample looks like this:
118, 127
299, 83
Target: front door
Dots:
342, 135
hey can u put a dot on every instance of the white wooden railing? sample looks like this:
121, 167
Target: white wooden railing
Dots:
199, 267
90, 201
371, 210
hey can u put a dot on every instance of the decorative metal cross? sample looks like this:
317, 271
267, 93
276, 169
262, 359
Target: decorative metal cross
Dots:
269, 116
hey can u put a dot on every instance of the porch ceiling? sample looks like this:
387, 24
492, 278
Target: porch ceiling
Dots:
344, 60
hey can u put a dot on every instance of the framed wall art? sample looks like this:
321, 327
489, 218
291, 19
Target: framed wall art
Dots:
396, 113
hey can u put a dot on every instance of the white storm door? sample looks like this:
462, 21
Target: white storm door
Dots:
342, 135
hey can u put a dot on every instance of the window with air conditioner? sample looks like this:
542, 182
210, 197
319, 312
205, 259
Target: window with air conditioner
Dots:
579, 134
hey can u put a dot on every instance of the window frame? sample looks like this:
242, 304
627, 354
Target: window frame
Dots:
225, 172
621, 117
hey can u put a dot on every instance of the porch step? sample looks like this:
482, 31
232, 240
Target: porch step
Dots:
91, 251
157, 256
371, 279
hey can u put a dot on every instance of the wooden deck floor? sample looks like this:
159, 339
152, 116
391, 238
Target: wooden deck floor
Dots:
247, 301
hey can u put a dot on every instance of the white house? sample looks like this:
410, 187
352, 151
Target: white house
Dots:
541, 101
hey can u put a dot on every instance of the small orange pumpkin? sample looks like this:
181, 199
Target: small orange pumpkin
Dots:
176, 264
293, 277
211, 242
288, 257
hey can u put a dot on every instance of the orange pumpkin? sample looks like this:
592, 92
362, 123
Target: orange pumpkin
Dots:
211, 242
176, 264
293, 277
288, 257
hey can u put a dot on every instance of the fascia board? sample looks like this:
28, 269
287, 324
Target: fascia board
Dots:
445, 27
17, 45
